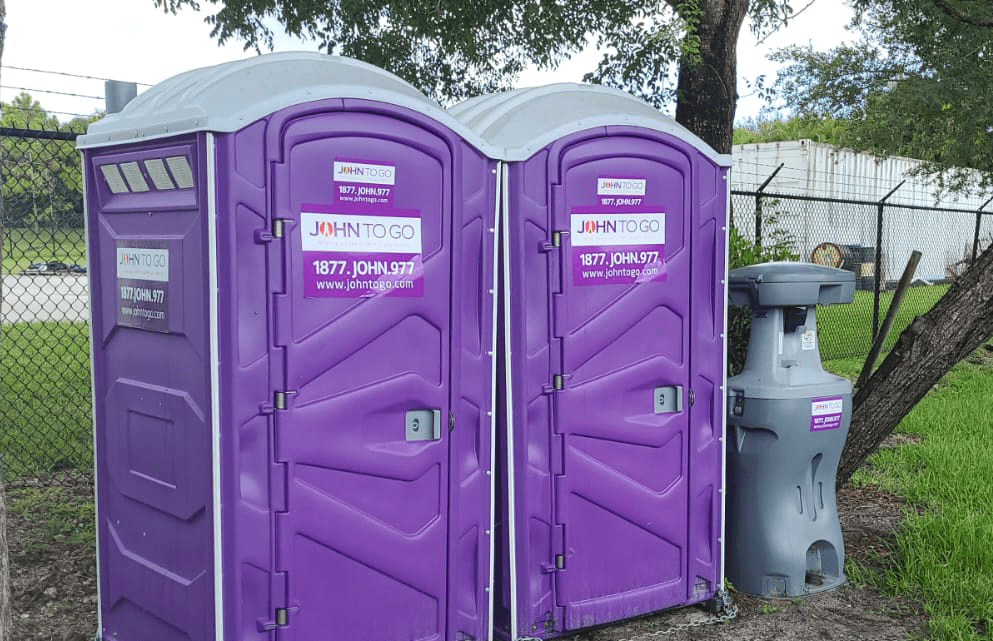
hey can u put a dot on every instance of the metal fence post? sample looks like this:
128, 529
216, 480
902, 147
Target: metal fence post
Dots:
879, 259
758, 207
979, 220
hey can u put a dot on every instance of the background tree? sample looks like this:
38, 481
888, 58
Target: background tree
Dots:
42, 186
916, 84
452, 49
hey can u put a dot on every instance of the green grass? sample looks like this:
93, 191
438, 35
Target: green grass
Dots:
943, 553
846, 330
21, 247
58, 515
45, 417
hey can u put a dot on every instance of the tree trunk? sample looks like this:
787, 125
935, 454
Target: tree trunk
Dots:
957, 325
707, 89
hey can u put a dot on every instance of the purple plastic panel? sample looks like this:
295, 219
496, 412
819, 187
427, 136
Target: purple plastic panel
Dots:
152, 396
708, 368
251, 481
616, 505
377, 536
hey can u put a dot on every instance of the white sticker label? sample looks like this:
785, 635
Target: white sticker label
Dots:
824, 407
139, 263
620, 186
809, 340
591, 230
357, 172
358, 233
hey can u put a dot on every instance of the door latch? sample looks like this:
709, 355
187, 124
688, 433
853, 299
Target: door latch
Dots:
668, 399
423, 425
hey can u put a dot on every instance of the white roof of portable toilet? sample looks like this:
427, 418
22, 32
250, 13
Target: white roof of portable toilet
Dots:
523, 121
226, 97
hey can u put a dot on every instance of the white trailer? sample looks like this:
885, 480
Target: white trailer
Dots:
823, 171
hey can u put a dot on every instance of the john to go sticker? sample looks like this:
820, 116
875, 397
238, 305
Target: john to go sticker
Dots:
143, 287
360, 255
615, 248
825, 413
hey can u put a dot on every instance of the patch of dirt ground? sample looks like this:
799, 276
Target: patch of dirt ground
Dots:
869, 517
54, 590
53, 576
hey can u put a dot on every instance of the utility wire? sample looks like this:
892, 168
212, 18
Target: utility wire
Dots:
70, 75
45, 111
60, 93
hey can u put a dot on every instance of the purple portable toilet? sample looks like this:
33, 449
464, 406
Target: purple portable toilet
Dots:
614, 269
292, 264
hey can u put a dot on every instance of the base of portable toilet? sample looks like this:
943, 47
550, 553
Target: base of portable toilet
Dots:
291, 268
613, 356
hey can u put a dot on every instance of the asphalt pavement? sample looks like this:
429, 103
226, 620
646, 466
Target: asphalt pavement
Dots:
59, 298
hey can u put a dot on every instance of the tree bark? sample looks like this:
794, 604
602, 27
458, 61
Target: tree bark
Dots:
707, 89
959, 323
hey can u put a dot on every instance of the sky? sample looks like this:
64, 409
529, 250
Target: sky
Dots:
131, 40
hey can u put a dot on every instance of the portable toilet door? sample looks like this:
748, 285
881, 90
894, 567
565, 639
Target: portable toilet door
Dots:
292, 271
614, 253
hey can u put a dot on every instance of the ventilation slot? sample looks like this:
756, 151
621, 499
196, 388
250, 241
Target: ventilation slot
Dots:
180, 168
157, 172
114, 179
136, 180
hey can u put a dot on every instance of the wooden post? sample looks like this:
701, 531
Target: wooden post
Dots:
877, 343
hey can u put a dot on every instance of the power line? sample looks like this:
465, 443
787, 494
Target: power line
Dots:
60, 93
45, 111
70, 75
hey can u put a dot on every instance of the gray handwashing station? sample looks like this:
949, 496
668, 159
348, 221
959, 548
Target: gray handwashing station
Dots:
787, 423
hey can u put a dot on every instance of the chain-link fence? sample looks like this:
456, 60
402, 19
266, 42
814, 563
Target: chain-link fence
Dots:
45, 415
874, 240
45, 406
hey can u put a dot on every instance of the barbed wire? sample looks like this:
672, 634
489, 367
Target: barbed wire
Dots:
51, 91
750, 171
65, 73
46, 111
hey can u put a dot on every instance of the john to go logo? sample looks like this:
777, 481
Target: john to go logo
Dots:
367, 173
377, 230
620, 186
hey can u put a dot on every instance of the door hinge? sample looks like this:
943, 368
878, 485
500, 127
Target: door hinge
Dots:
557, 564
558, 384
267, 235
278, 402
692, 397
555, 242
281, 620
738, 409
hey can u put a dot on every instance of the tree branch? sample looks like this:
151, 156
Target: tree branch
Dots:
783, 24
963, 17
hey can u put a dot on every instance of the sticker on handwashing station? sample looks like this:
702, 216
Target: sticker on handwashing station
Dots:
143, 286
357, 255
363, 183
617, 248
825, 413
